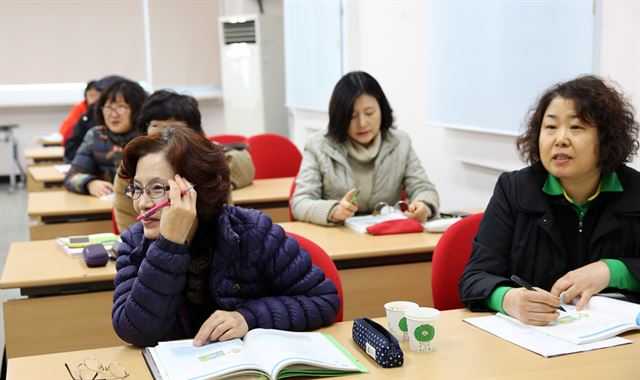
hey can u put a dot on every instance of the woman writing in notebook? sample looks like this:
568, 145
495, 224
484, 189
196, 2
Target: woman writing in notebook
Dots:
199, 269
570, 222
360, 153
95, 163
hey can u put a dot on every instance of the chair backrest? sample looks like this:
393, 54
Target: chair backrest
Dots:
449, 259
113, 222
227, 139
320, 258
274, 156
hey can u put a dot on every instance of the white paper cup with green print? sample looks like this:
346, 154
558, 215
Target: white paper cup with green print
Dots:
422, 325
396, 320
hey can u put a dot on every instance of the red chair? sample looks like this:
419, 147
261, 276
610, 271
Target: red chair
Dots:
228, 139
274, 156
113, 222
449, 259
320, 258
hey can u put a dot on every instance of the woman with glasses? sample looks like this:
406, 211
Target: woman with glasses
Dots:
570, 222
94, 166
164, 108
361, 161
197, 268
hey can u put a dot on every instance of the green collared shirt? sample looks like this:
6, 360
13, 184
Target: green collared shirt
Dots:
609, 182
619, 275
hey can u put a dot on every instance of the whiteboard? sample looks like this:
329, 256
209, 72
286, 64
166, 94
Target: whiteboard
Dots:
488, 61
313, 52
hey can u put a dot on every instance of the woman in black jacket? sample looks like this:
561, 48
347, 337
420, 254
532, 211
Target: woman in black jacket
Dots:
570, 222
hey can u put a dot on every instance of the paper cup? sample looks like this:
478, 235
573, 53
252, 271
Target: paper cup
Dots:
396, 320
422, 324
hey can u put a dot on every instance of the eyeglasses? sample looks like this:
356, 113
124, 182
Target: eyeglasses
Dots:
153, 190
120, 110
91, 367
383, 208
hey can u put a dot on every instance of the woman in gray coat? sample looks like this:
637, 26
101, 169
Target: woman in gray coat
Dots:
360, 154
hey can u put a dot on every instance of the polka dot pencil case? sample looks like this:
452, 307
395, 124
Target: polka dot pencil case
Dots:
377, 342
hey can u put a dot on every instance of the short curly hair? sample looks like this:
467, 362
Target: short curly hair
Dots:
192, 156
598, 104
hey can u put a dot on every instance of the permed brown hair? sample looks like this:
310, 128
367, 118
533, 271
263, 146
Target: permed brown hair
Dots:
597, 104
192, 156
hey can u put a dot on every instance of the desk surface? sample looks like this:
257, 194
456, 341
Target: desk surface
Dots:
485, 356
342, 243
57, 203
53, 152
50, 140
61, 203
52, 267
263, 190
46, 173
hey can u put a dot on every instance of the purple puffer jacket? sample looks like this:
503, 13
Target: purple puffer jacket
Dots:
255, 270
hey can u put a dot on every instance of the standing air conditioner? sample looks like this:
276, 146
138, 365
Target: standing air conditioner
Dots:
253, 74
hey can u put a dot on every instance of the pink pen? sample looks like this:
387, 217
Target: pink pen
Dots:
160, 205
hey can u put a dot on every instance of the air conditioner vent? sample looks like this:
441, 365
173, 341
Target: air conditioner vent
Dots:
238, 32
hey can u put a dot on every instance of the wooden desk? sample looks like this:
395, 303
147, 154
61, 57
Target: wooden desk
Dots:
63, 213
270, 196
375, 269
45, 177
69, 306
463, 352
53, 154
54, 139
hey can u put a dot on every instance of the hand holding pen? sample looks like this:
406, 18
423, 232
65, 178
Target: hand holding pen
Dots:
530, 305
179, 218
526, 285
146, 214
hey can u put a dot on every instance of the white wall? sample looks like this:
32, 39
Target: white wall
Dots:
619, 57
387, 39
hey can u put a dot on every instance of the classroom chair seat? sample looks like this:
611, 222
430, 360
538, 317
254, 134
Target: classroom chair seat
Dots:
449, 259
274, 156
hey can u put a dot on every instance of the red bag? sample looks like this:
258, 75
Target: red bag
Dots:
397, 226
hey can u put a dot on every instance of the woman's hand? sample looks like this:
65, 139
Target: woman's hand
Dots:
533, 308
221, 325
344, 209
99, 188
583, 282
178, 219
418, 210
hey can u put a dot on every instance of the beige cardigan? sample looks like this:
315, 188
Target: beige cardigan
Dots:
325, 176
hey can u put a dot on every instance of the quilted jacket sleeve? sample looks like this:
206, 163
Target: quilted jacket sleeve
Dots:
306, 300
148, 285
84, 168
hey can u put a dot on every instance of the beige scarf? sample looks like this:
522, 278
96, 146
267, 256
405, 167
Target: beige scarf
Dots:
361, 159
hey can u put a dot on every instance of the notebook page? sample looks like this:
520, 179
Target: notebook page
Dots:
536, 341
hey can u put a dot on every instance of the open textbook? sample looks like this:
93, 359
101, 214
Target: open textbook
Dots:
262, 352
594, 327
602, 318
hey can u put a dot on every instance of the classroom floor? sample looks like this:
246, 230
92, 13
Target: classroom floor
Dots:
14, 226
